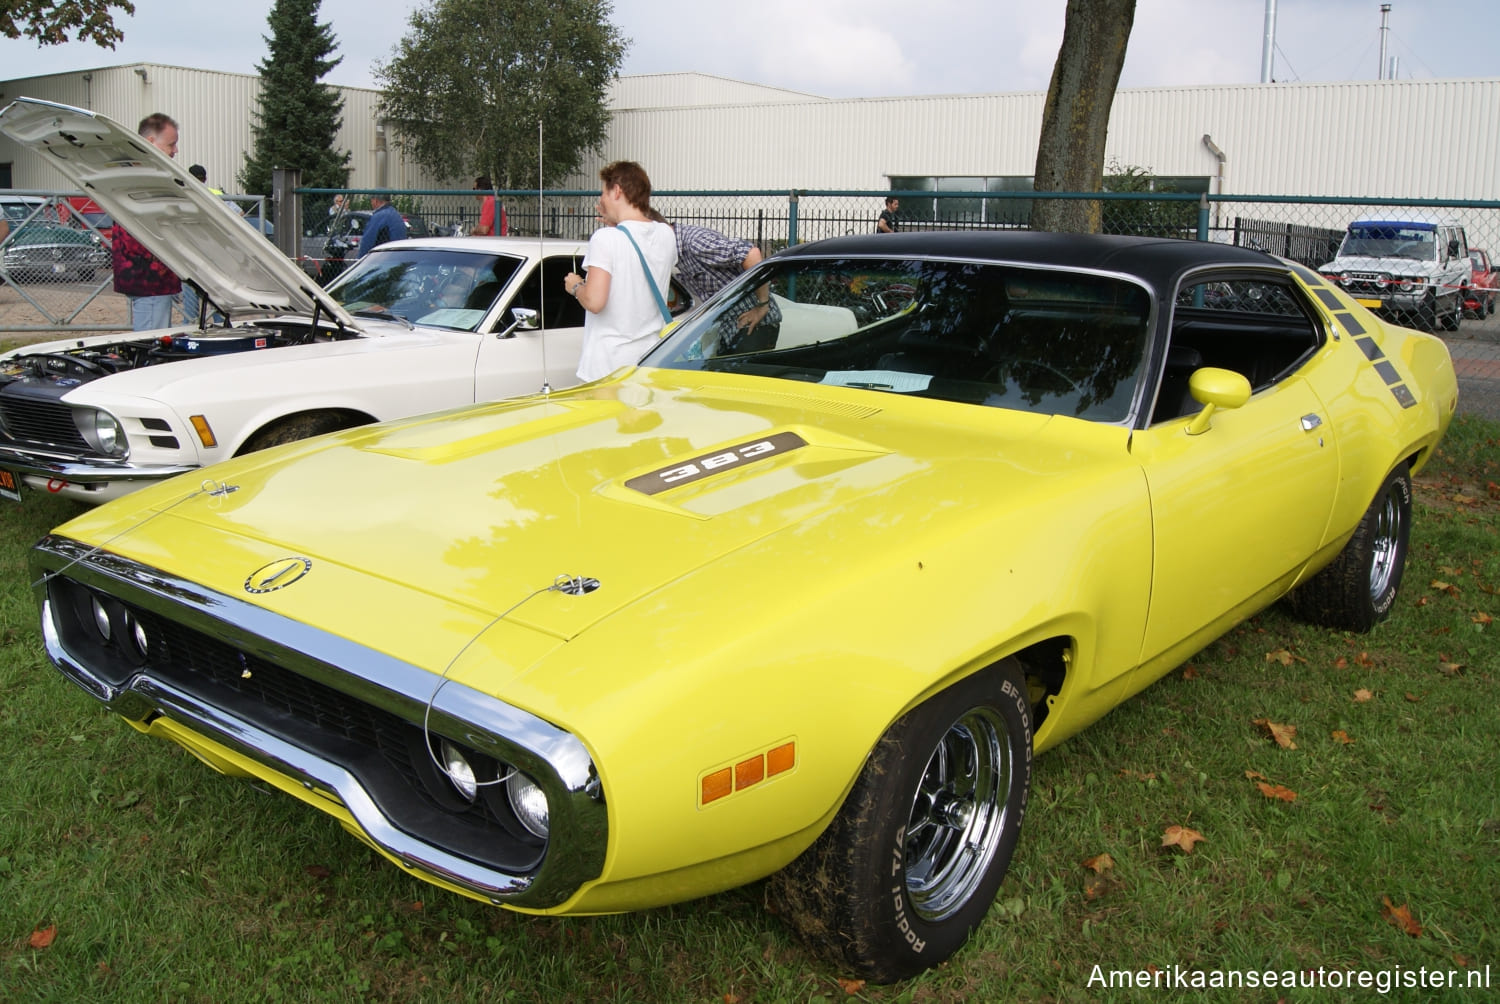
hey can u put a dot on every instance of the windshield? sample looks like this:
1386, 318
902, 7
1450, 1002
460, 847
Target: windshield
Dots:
428, 286
1001, 336
1389, 240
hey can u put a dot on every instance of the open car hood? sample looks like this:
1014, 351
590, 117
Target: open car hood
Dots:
168, 210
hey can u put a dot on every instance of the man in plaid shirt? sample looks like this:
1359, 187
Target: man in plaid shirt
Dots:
707, 261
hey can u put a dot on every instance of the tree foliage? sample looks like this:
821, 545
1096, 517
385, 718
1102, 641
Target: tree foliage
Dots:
467, 85
1149, 218
1075, 121
299, 118
53, 22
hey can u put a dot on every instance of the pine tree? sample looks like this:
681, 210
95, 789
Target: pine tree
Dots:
299, 118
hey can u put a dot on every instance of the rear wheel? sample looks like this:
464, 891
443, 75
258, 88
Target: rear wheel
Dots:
292, 428
1451, 320
913, 860
1357, 590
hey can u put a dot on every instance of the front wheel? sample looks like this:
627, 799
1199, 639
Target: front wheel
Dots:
1357, 590
293, 428
912, 862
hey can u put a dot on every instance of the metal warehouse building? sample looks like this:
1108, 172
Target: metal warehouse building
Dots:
1377, 139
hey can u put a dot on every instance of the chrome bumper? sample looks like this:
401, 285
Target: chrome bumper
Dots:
78, 471
555, 759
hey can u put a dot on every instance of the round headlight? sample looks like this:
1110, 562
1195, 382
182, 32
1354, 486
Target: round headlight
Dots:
110, 434
138, 635
529, 803
459, 771
101, 618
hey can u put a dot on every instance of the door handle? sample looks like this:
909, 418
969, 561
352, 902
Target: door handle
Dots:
1310, 422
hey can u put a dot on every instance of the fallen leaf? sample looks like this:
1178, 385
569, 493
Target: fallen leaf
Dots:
1445, 587
1461, 960
851, 987
1421, 601
42, 938
1493, 489
1181, 836
731, 999
1281, 733
1099, 863
1281, 655
1341, 663
1400, 916
1189, 673
1340, 736
1362, 695
1482, 618
1126, 772
1450, 571
415, 906
1413, 698
1251, 775
317, 871
1276, 791
1363, 659
1450, 668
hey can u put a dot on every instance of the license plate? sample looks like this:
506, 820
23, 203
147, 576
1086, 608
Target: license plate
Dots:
58, 268
1372, 304
10, 486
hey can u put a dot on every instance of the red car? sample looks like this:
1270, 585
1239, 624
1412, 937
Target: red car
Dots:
87, 209
1486, 286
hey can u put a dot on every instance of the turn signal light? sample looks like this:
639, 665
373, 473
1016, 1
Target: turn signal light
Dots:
205, 434
749, 771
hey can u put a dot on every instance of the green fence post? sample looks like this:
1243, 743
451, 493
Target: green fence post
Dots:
791, 218
1203, 217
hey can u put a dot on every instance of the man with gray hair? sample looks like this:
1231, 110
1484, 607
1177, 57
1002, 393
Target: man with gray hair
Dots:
149, 285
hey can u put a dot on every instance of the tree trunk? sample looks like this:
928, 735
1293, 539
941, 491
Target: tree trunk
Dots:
1075, 122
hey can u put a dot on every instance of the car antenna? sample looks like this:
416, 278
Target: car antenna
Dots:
541, 267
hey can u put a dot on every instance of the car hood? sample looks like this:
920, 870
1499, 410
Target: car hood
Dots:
635, 484
167, 210
1365, 263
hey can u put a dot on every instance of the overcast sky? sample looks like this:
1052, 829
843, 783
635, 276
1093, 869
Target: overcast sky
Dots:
869, 48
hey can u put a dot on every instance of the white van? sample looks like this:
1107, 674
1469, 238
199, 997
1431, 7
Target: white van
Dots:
1417, 268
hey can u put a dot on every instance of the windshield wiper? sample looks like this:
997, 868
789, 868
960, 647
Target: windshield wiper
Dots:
386, 315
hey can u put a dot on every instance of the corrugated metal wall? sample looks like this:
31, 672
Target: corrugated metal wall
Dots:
1382, 139
1399, 139
214, 112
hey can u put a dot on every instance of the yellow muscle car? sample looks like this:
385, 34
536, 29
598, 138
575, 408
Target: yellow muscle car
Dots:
798, 596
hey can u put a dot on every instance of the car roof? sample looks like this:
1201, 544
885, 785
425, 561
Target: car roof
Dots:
1157, 260
528, 246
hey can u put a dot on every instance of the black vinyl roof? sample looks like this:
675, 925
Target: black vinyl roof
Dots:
1157, 260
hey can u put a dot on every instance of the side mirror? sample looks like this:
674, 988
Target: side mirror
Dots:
1214, 389
1453, 248
522, 319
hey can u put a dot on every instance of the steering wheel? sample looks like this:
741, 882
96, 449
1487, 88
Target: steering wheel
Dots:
1019, 362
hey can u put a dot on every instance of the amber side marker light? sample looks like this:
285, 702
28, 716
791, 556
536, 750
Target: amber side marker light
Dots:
751, 770
205, 434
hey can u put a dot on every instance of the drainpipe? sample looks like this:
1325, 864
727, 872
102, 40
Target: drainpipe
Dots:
380, 155
1213, 148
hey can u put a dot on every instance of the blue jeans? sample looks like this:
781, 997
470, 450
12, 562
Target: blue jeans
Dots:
150, 313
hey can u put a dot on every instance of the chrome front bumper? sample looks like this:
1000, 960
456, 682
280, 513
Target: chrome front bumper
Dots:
81, 471
555, 759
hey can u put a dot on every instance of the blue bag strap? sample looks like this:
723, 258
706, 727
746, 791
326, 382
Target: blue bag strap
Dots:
661, 304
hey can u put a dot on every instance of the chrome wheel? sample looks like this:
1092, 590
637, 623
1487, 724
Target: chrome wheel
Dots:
957, 815
1386, 544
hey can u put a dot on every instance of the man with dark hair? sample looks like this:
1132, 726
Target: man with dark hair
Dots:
890, 217
384, 224
629, 265
148, 284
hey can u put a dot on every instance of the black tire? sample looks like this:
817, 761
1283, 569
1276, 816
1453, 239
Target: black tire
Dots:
292, 428
912, 862
1357, 590
1451, 321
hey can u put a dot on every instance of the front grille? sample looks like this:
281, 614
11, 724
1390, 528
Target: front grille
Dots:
45, 423
384, 751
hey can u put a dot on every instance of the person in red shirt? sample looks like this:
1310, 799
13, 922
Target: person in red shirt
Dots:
489, 208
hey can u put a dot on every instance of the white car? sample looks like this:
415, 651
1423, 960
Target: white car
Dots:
415, 326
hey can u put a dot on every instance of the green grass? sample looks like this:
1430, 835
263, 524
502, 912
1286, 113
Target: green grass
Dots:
167, 882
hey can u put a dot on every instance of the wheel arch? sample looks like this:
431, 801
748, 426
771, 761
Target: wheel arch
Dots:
343, 418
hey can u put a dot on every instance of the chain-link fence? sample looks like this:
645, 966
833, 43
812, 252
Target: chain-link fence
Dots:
56, 276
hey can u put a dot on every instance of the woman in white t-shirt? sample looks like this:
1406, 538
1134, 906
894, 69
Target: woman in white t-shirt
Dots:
623, 318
